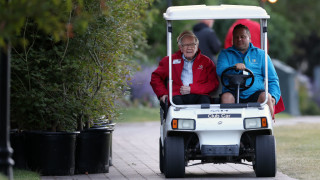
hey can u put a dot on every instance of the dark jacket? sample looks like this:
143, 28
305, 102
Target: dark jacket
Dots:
209, 43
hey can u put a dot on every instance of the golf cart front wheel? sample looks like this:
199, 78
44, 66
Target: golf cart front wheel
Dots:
265, 156
161, 157
174, 161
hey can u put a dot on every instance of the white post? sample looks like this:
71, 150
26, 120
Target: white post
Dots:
169, 53
264, 42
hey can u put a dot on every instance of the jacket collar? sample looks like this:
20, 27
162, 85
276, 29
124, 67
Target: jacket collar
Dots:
197, 54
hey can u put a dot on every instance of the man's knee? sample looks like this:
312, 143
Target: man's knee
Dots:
227, 98
262, 97
178, 100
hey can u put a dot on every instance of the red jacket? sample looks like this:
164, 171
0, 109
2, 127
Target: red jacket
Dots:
205, 78
279, 107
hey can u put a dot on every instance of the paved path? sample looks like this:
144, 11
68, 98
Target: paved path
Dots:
135, 156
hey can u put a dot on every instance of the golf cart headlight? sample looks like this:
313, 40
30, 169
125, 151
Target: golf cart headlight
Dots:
186, 124
252, 123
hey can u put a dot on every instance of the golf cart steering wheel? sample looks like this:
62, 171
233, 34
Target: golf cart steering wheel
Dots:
237, 80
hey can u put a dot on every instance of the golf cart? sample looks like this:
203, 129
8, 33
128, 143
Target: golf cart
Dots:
217, 133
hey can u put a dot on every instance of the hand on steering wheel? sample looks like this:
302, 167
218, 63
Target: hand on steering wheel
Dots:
237, 79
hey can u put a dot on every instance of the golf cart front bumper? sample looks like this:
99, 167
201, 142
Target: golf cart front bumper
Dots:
219, 130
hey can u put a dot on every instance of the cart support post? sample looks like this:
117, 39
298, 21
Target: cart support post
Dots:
264, 46
169, 53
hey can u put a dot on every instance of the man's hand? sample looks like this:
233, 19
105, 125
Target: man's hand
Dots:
185, 90
163, 98
273, 101
240, 66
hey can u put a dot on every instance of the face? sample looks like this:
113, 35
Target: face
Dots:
241, 40
188, 47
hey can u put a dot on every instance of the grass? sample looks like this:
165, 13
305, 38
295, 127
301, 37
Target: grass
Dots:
298, 146
282, 115
2, 177
298, 150
143, 114
19, 174
139, 114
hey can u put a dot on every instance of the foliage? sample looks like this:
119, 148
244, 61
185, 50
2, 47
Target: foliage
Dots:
306, 56
157, 37
158, 40
281, 44
293, 36
48, 15
39, 78
107, 46
304, 33
307, 105
222, 26
302, 18
58, 85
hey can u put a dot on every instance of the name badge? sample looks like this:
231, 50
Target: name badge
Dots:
176, 61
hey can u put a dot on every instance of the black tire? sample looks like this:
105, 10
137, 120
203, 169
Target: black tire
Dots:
174, 161
265, 164
161, 157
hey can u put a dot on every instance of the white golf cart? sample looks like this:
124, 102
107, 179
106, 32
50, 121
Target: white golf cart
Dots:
217, 133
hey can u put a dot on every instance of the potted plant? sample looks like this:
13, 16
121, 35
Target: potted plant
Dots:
41, 107
95, 159
60, 86
43, 101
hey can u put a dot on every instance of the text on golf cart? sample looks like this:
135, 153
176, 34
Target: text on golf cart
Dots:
219, 115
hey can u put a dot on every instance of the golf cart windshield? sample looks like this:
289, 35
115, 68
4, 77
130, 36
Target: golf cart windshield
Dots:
197, 12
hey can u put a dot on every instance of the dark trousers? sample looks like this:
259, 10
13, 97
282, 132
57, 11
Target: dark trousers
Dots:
191, 99
185, 99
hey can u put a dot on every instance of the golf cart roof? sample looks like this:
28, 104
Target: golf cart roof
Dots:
195, 12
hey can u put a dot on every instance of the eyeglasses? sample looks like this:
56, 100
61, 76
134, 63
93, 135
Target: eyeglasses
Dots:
192, 45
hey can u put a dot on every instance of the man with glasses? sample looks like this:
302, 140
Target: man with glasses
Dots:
194, 75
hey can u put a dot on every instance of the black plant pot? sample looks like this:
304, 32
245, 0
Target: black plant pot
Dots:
51, 153
17, 140
93, 150
111, 126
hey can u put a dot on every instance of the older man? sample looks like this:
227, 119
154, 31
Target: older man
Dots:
244, 55
193, 74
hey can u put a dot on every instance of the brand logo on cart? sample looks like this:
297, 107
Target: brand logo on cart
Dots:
219, 115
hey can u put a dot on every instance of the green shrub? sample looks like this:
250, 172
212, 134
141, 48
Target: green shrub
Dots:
61, 85
307, 105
